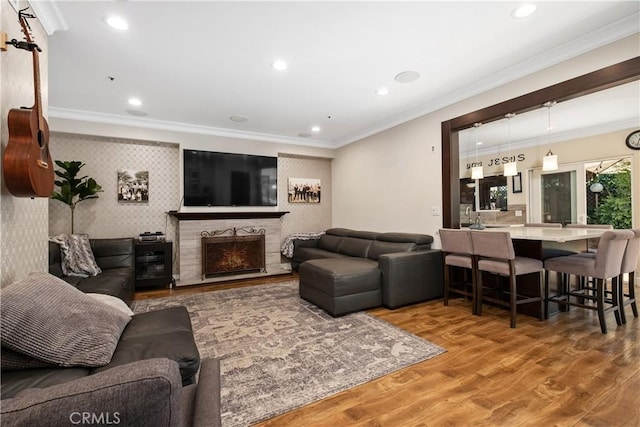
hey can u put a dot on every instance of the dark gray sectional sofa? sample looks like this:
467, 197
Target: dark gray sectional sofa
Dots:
349, 270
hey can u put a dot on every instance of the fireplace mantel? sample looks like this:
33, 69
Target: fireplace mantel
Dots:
190, 226
200, 216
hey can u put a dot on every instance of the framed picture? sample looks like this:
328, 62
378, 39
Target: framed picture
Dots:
303, 190
133, 186
516, 181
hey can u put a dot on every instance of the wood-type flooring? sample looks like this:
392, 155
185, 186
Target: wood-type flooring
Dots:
559, 372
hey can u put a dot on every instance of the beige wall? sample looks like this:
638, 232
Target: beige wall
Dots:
24, 229
392, 180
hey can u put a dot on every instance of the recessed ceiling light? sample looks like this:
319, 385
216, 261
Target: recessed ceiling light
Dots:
238, 118
382, 91
279, 65
523, 11
478, 143
135, 102
117, 23
407, 76
315, 129
137, 113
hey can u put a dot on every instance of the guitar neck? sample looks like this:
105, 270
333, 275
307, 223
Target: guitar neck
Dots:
37, 95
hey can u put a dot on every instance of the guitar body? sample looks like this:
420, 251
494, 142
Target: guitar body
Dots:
27, 164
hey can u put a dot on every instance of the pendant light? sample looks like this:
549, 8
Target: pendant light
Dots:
510, 168
477, 172
550, 160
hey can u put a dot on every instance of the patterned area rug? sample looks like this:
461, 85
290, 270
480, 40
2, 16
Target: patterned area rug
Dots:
279, 352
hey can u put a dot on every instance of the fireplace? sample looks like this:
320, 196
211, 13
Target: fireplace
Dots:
232, 251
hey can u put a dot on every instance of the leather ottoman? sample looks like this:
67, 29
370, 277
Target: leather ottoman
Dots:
341, 285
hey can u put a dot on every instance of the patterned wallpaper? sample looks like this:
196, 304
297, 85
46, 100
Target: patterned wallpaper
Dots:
105, 216
304, 217
25, 228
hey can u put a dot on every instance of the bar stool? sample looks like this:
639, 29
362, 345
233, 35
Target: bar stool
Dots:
592, 226
457, 251
588, 281
629, 265
495, 254
606, 264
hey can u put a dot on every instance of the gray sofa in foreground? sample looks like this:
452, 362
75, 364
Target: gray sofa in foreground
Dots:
57, 371
349, 270
144, 393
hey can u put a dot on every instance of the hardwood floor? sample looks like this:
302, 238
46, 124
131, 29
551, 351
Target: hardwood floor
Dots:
561, 372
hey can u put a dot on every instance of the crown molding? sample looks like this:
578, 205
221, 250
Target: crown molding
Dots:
605, 35
49, 16
114, 119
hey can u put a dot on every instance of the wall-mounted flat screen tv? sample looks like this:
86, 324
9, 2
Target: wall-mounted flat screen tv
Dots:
226, 179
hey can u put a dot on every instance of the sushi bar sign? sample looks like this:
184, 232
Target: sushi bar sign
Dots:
496, 161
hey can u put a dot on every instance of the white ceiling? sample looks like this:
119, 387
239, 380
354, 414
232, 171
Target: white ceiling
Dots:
195, 64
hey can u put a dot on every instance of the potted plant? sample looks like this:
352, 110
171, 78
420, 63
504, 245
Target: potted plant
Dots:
72, 189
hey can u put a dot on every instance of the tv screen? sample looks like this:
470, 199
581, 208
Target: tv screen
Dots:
226, 179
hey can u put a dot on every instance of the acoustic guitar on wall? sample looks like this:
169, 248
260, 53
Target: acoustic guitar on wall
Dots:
27, 163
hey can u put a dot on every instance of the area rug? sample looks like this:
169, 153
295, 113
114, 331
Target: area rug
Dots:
279, 352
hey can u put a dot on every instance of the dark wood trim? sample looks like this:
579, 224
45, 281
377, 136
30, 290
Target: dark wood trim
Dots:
605, 78
450, 157
195, 216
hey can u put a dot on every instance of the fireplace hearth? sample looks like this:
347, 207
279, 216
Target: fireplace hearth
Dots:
232, 251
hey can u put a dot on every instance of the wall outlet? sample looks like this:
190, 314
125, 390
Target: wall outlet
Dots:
435, 210
518, 213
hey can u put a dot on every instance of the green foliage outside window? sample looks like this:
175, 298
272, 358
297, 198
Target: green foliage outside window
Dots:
614, 202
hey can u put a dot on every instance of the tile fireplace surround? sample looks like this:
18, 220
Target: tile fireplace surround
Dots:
189, 242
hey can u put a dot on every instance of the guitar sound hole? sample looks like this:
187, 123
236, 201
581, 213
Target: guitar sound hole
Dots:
41, 141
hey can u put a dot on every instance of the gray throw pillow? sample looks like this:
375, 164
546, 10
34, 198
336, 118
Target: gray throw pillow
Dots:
48, 319
11, 360
76, 255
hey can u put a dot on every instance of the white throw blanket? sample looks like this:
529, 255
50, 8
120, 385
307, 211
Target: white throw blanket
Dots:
287, 245
77, 256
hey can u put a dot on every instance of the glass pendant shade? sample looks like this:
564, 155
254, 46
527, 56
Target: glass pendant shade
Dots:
596, 187
510, 169
550, 162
